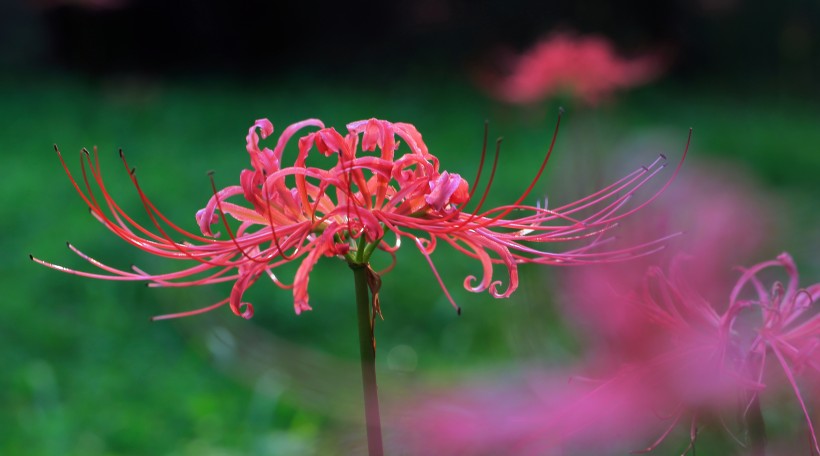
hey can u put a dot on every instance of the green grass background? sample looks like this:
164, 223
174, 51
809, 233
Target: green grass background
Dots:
84, 370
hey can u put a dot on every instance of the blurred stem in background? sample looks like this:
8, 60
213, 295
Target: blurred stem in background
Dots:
756, 427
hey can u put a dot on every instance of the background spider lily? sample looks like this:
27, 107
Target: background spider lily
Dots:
585, 67
695, 364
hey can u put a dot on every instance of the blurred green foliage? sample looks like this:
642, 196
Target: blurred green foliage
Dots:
86, 373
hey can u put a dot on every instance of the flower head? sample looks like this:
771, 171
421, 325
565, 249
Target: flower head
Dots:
301, 213
696, 362
585, 67
692, 355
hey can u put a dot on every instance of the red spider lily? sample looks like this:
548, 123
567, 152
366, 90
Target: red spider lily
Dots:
586, 67
696, 359
301, 213
790, 328
699, 357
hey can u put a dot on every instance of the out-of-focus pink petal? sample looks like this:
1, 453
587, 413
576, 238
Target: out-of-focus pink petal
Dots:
586, 67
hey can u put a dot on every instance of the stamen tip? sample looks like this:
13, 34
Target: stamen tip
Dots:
121, 153
561, 111
663, 156
68, 244
211, 173
458, 311
31, 257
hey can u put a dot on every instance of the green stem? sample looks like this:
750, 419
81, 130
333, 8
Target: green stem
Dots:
756, 428
367, 351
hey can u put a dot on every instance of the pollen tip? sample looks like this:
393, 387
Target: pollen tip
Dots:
31, 257
121, 153
211, 173
56, 149
458, 311
663, 156
67, 244
561, 110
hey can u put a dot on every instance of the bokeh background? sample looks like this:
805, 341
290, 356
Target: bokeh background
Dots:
177, 84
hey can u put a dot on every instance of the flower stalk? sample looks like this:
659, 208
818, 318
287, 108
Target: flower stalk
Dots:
367, 352
756, 427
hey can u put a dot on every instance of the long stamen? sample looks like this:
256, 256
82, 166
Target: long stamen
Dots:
350, 196
426, 254
480, 164
228, 227
153, 207
158, 243
269, 215
538, 174
543, 163
191, 312
144, 199
490, 180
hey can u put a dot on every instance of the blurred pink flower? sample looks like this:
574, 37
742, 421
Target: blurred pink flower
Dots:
586, 67
302, 213
695, 361
710, 209
697, 356
532, 413
790, 328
